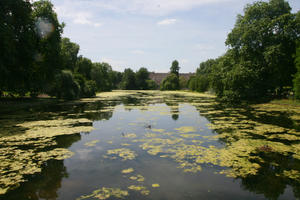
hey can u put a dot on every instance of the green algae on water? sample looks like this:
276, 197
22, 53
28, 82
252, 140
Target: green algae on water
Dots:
92, 143
105, 193
127, 171
124, 153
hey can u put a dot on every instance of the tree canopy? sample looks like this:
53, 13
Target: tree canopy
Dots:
260, 58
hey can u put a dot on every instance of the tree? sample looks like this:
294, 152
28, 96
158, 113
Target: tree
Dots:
69, 51
87, 88
175, 68
205, 68
48, 59
198, 83
141, 78
151, 84
100, 74
84, 67
183, 82
65, 86
116, 78
17, 46
297, 75
128, 80
171, 82
263, 45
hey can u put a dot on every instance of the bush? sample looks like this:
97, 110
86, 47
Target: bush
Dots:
151, 85
87, 88
198, 83
171, 82
297, 85
90, 89
65, 86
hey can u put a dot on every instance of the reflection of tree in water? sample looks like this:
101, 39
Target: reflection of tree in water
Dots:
268, 182
174, 107
41, 186
46, 184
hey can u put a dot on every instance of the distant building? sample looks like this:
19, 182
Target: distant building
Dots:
159, 77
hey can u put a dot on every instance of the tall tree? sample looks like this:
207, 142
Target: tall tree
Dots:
17, 45
49, 30
128, 80
84, 67
100, 74
263, 44
142, 75
175, 68
297, 75
69, 51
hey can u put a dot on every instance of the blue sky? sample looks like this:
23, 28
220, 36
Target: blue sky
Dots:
151, 33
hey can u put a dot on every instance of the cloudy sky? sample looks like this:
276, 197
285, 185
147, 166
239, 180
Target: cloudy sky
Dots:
151, 33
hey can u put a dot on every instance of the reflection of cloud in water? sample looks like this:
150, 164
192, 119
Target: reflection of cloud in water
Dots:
84, 154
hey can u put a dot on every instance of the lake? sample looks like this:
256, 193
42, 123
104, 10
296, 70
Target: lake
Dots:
150, 145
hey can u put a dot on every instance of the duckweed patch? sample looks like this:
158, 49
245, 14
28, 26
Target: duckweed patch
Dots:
25, 154
130, 135
138, 178
186, 129
92, 143
105, 193
127, 171
124, 153
143, 190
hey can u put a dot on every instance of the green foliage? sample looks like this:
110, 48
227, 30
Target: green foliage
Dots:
65, 86
128, 80
151, 84
259, 62
206, 67
88, 88
263, 44
198, 83
17, 46
69, 51
84, 67
183, 82
32, 53
100, 74
141, 78
297, 75
175, 68
115, 78
49, 30
171, 82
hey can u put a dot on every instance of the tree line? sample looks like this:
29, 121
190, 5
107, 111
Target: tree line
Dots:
261, 60
35, 58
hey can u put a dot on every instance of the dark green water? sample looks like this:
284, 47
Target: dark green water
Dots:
92, 168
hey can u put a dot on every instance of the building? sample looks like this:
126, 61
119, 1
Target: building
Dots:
159, 77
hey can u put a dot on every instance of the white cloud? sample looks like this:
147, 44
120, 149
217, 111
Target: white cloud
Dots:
83, 18
167, 22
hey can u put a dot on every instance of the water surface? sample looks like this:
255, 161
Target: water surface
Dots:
151, 145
